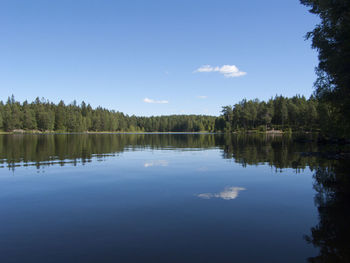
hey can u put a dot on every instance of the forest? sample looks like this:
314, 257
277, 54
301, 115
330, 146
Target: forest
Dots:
281, 113
42, 115
288, 114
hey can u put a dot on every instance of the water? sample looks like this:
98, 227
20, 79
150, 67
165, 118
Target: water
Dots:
170, 198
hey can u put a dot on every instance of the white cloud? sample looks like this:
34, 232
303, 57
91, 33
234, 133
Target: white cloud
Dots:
229, 71
205, 68
147, 100
229, 193
202, 97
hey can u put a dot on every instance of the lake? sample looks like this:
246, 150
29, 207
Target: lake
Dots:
171, 198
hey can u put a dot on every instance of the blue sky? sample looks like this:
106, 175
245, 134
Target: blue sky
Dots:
155, 57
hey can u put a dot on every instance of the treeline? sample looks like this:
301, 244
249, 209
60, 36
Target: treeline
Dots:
43, 115
280, 113
296, 113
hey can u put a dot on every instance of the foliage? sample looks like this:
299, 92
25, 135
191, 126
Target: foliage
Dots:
331, 38
47, 116
296, 113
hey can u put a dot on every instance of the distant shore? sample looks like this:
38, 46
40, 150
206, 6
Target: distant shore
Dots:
98, 132
20, 131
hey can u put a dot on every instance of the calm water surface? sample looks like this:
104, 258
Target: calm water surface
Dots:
170, 198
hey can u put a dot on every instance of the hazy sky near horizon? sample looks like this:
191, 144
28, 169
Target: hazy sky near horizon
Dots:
155, 57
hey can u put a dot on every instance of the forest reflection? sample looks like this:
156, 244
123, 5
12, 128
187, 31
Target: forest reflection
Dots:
42, 150
331, 175
332, 234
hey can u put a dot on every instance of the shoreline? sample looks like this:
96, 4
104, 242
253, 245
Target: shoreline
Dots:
97, 132
272, 132
320, 138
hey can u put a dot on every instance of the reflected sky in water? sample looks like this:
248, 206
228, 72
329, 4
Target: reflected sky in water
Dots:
229, 193
157, 198
156, 163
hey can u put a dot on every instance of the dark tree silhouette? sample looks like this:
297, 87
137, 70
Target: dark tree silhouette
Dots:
331, 38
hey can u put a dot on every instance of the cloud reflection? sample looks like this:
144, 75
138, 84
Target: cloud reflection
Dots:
229, 193
156, 163
202, 169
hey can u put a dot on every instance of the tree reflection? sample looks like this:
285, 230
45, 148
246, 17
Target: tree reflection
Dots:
332, 180
44, 150
41, 150
332, 233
